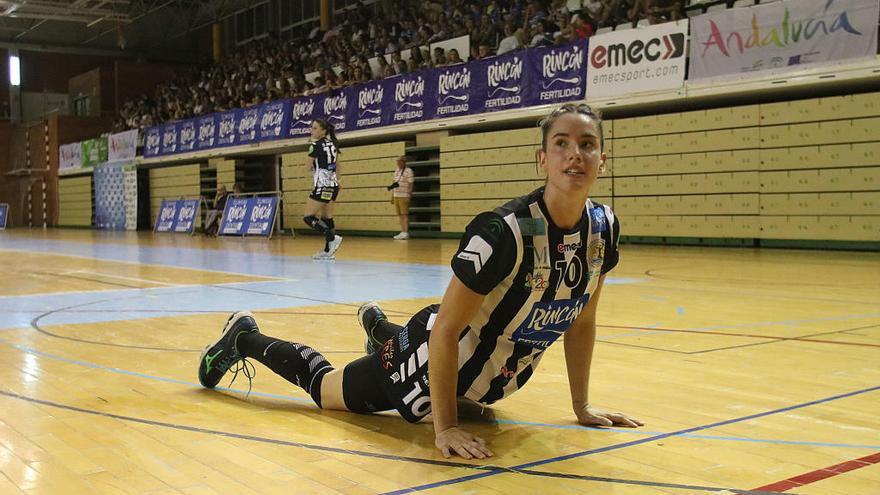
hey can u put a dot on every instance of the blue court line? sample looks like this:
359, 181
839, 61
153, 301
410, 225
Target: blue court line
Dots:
628, 431
379, 455
631, 443
743, 325
641, 432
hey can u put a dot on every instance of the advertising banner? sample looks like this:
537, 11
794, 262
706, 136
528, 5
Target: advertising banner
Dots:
186, 135
109, 180
246, 125
122, 146
207, 136
235, 217
302, 112
538, 76
650, 58
335, 109
410, 98
273, 119
169, 139
69, 156
453, 95
781, 36
261, 215
166, 217
4, 214
187, 212
556, 74
501, 81
153, 142
365, 109
226, 125
94, 151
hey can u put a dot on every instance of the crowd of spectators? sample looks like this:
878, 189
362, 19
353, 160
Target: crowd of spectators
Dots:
266, 69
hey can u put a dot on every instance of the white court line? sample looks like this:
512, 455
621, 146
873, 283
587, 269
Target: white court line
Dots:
122, 277
140, 263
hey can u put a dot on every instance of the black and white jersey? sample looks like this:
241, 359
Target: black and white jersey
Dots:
324, 154
536, 278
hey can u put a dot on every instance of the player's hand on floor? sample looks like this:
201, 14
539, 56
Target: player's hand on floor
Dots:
457, 441
594, 416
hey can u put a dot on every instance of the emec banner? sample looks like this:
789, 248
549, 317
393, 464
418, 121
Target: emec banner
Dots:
781, 36
631, 61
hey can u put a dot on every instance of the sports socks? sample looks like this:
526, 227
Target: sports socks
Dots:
383, 330
325, 226
296, 363
330, 233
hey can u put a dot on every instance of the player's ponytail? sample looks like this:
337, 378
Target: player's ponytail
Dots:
331, 132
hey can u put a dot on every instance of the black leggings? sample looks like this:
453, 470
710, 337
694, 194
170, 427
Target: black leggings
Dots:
360, 386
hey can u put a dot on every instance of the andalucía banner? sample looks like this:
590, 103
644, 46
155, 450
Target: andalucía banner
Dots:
782, 36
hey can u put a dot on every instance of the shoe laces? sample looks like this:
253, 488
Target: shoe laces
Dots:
246, 368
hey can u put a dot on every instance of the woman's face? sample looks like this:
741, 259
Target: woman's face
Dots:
317, 132
573, 159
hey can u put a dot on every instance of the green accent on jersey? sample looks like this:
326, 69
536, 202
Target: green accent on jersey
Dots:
532, 226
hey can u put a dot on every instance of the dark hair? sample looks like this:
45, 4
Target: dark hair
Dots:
580, 108
328, 128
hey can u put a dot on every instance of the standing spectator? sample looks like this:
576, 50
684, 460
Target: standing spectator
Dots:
401, 188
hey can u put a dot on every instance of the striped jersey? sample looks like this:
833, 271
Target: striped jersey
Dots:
324, 153
536, 278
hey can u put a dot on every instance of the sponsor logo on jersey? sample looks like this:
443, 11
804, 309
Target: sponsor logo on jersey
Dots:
547, 321
387, 354
569, 247
477, 251
536, 281
598, 221
596, 253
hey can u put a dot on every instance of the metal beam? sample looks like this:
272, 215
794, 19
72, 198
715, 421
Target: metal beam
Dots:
160, 7
74, 50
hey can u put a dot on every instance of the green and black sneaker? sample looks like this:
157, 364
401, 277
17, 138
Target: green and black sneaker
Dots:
369, 315
217, 358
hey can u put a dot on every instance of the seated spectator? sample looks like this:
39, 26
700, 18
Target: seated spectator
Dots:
537, 36
215, 215
582, 28
453, 58
510, 42
593, 8
660, 11
485, 50
439, 57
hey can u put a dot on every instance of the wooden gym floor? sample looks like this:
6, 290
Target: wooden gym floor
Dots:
755, 371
